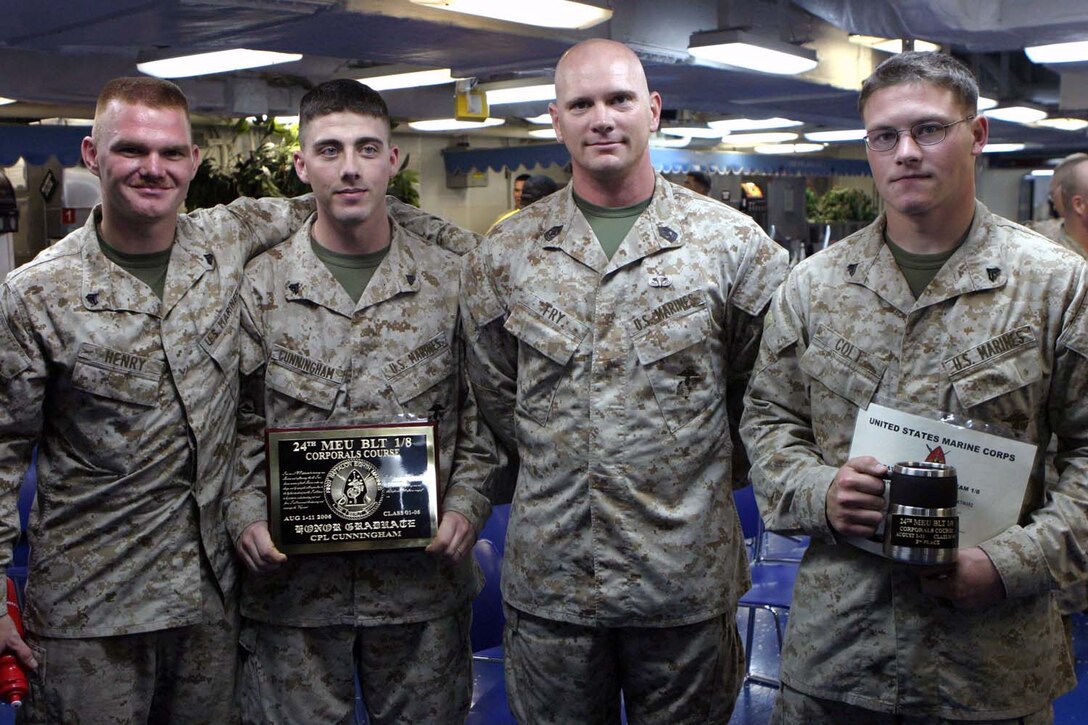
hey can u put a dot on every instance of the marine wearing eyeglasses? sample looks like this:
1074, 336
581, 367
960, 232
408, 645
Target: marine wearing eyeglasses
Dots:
936, 277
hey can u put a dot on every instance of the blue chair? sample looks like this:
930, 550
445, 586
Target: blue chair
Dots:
495, 528
20, 555
772, 582
487, 615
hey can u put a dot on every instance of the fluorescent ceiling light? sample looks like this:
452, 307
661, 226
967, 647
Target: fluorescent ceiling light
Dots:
221, 61
544, 119
985, 104
853, 134
752, 124
666, 142
452, 124
1058, 52
890, 45
1001, 148
410, 79
543, 133
286, 120
1017, 114
64, 121
693, 132
1063, 124
789, 148
6, 101
746, 50
758, 139
520, 94
1042, 172
542, 13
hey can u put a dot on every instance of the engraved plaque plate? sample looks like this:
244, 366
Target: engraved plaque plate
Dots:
351, 489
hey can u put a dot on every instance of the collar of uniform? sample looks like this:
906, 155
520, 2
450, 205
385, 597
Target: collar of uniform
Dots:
979, 264
105, 286
190, 259
566, 228
311, 280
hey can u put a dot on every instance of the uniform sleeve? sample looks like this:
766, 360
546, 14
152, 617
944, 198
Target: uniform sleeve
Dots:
438, 231
1051, 550
762, 270
22, 392
268, 221
477, 461
789, 474
248, 502
490, 361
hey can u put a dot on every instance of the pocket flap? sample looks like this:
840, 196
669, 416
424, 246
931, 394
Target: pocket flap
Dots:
117, 375
674, 334
555, 341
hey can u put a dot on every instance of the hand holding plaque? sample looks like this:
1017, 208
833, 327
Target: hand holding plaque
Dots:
350, 489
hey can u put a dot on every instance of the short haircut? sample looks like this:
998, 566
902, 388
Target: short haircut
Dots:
338, 96
536, 188
702, 179
923, 67
143, 90
1064, 180
521, 177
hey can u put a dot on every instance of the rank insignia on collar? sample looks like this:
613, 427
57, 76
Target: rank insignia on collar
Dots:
851, 268
667, 234
294, 287
411, 278
993, 273
92, 298
552, 233
210, 259
660, 280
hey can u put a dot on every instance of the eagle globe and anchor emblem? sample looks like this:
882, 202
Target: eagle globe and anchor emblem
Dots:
353, 489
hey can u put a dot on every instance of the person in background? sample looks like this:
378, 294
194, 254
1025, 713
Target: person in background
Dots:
698, 182
354, 321
1072, 190
611, 328
519, 186
938, 307
1054, 227
536, 188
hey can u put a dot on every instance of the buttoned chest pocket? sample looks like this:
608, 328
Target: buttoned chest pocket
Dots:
842, 367
677, 361
544, 355
422, 382
221, 343
295, 397
116, 393
999, 377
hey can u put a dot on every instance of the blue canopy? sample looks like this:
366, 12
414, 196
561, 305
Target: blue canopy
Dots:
36, 144
664, 160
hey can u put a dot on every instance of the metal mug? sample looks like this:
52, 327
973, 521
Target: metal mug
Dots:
921, 524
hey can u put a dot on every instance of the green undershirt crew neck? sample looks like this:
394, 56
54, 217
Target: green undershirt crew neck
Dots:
352, 271
919, 269
150, 268
611, 225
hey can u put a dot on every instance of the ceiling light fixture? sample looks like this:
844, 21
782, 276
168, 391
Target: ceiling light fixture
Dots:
452, 124
542, 13
6, 101
693, 132
409, 79
1017, 114
759, 139
890, 45
1042, 172
1002, 148
1063, 124
498, 95
789, 148
985, 104
221, 61
1058, 52
752, 124
853, 134
747, 50
544, 119
666, 142
548, 133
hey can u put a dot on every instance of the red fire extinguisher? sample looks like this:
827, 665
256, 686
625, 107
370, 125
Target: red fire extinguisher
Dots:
13, 684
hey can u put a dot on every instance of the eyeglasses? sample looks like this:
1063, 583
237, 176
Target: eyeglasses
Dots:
926, 133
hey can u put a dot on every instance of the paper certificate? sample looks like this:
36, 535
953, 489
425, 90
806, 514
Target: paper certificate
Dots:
993, 471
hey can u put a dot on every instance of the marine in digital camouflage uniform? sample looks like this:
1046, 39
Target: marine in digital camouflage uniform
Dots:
937, 306
129, 388
619, 381
325, 348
